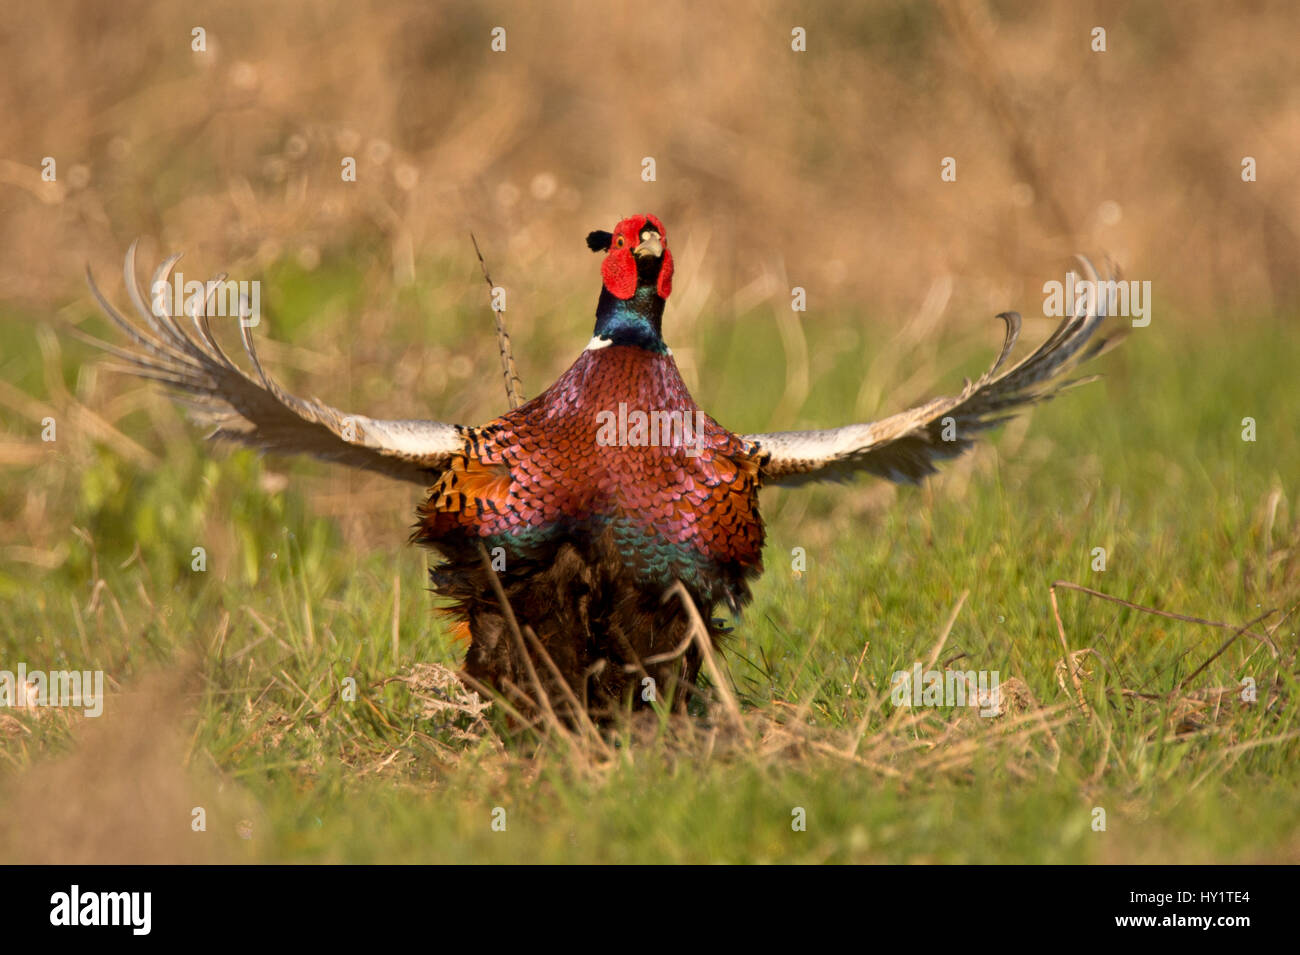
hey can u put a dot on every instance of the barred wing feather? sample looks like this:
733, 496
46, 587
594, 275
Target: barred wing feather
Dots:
253, 409
906, 447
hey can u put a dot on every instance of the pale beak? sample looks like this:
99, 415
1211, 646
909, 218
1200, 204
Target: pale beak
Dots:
650, 245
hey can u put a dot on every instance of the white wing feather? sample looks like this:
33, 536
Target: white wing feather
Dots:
253, 409
906, 446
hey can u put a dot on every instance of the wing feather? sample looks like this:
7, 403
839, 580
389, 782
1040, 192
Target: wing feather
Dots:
906, 447
256, 411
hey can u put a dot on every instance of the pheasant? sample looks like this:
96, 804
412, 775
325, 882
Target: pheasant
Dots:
561, 525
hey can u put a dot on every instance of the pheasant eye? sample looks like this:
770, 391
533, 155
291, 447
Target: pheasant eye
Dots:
621, 241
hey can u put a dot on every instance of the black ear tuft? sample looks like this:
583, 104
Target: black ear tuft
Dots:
599, 241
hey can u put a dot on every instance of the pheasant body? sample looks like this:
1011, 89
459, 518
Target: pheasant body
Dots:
682, 509
562, 525
616, 467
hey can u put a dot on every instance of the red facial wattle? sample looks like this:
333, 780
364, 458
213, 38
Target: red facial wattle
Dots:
619, 269
666, 275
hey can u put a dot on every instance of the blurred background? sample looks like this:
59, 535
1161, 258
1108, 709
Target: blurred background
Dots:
823, 164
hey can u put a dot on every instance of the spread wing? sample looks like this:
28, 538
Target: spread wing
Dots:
905, 447
253, 409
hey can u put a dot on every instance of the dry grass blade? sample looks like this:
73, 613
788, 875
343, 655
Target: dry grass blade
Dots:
936, 649
705, 643
1219, 652
543, 699
579, 711
514, 387
1262, 638
1069, 660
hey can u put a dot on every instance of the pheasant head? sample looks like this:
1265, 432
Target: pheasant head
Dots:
637, 276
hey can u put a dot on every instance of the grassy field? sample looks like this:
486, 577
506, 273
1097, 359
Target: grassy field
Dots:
226, 684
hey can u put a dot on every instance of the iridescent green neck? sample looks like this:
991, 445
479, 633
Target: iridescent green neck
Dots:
632, 321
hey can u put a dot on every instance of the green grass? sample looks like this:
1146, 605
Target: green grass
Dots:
245, 660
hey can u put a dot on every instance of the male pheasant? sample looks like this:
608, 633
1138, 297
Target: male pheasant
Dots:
562, 525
